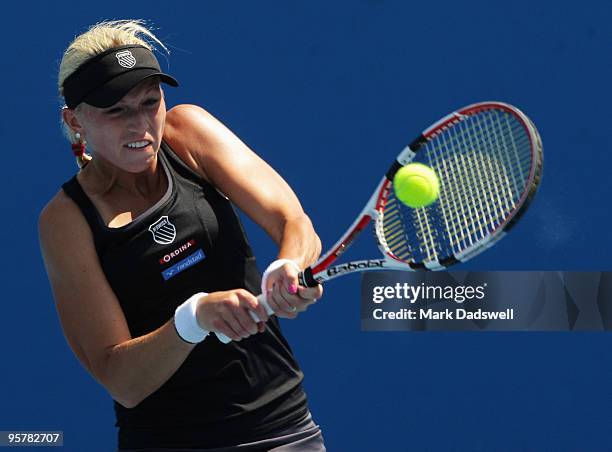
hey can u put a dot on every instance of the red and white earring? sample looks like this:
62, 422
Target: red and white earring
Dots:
78, 148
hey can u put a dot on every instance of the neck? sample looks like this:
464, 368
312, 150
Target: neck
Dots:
103, 178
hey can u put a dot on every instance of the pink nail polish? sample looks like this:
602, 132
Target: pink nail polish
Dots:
293, 289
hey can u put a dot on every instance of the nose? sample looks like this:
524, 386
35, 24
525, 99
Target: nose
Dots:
136, 122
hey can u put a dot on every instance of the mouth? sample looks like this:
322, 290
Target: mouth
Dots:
138, 145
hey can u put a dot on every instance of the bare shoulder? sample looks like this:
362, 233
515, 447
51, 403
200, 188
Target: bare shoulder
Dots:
205, 141
190, 132
60, 218
65, 238
186, 115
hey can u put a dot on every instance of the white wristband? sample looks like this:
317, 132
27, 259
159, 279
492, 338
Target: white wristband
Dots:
273, 266
186, 321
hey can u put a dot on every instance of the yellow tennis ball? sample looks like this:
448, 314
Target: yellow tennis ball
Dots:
416, 185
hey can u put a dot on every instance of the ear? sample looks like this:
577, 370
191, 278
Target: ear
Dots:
70, 118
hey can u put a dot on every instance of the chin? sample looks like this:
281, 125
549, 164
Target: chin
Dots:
141, 162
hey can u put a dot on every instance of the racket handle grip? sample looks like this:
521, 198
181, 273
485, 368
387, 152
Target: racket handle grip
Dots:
226, 340
305, 278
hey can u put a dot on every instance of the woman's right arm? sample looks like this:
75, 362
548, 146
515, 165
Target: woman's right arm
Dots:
94, 324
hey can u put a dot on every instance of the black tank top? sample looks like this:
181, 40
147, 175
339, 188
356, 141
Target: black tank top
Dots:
192, 241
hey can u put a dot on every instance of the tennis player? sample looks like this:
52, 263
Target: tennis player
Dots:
146, 258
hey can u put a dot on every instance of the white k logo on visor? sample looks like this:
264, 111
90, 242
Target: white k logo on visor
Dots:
126, 59
163, 231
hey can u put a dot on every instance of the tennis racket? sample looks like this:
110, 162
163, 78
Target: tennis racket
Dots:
488, 158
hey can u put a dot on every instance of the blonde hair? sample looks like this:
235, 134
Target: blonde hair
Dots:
97, 39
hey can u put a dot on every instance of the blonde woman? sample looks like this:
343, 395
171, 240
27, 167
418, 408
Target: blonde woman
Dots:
146, 257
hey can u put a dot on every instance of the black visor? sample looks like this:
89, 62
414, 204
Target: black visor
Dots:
104, 79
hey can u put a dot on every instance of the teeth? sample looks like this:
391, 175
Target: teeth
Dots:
138, 144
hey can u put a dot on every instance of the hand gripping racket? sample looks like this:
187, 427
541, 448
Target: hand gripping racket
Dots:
488, 158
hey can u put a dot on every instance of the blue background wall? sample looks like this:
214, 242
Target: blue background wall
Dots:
328, 91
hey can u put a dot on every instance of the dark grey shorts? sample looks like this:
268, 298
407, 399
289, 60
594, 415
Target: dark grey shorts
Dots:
304, 437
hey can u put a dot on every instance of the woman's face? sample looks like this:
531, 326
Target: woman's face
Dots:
128, 134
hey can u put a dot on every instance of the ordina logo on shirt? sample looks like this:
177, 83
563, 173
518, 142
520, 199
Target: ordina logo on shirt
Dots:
176, 252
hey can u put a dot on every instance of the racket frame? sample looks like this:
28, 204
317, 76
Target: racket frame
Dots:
323, 271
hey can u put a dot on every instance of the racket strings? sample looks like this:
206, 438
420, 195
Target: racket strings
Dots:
483, 163
467, 216
409, 234
392, 230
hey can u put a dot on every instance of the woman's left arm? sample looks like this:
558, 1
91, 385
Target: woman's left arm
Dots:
225, 161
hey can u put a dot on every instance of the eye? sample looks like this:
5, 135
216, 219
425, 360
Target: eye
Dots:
151, 101
114, 111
